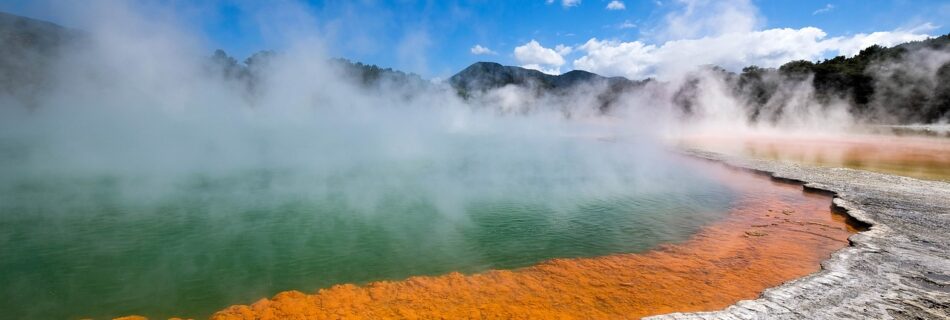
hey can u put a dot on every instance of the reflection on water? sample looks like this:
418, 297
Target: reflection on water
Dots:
84, 245
919, 156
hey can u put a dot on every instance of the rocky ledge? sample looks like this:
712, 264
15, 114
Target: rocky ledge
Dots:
898, 269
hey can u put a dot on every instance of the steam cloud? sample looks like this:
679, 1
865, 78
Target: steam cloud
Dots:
142, 98
142, 101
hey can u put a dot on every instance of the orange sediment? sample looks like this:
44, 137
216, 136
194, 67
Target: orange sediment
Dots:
775, 233
914, 156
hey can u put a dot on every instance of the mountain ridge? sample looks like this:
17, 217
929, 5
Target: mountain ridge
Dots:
484, 75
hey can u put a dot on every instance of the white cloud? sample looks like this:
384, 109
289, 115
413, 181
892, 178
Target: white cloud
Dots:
616, 5
554, 71
626, 24
534, 56
479, 50
566, 3
704, 18
827, 8
727, 34
563, 50
851, 45
570, 3
631, 59
766, 48
533, 53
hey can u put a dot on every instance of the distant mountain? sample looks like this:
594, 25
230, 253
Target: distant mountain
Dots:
484, 76
27, 48
248, 73
22, 33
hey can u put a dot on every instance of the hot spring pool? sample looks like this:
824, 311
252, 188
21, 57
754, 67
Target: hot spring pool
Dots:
102, 243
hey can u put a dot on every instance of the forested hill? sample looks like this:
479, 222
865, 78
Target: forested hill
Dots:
481, 77
907, 83
369, 76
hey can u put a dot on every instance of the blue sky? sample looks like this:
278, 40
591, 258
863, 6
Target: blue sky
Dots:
435, 38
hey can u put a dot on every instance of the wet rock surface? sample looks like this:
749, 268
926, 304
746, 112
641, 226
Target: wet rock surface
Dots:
898, 269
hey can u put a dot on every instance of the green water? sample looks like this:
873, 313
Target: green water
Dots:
106, 243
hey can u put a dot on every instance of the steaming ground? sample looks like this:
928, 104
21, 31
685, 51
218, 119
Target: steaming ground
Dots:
110, 243
146, 184
133, 201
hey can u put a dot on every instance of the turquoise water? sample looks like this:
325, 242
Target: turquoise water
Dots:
101, 243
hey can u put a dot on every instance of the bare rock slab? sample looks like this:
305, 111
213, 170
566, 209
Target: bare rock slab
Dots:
898, 269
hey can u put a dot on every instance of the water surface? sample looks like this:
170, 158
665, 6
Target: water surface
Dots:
101, 243
774, 233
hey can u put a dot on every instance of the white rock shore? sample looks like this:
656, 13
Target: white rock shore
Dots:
898, 269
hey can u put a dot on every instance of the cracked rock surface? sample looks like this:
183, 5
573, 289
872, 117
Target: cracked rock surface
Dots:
898, 269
